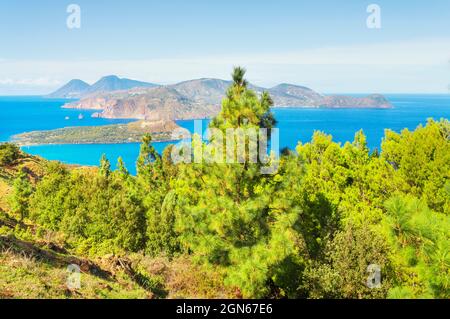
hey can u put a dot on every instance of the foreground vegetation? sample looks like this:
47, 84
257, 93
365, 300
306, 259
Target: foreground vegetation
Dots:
312, 230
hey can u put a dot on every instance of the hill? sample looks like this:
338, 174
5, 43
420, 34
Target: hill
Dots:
34, 260
73, 89
76, 89
34, 265
114, 83
159, 103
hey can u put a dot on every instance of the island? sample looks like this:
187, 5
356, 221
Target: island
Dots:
202, 98
161, 131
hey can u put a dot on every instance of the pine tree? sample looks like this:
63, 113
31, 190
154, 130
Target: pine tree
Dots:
420, 241
226, 213
22, 190
105, 166
121, 168
147, 156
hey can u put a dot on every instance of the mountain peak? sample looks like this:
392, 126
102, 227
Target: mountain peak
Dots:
73, 89
77, 88
114, 83
77, 81
109, 78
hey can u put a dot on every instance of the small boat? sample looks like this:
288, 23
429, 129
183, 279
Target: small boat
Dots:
80, 117
67, 118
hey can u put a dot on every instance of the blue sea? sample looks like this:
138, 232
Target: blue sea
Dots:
23, 114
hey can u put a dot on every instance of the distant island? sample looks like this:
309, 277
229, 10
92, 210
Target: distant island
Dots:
76, 89
194, 99
157, 107
106, 134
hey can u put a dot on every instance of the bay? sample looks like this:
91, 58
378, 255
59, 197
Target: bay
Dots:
23, 114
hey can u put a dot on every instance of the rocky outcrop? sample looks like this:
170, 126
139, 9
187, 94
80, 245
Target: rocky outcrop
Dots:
161, 103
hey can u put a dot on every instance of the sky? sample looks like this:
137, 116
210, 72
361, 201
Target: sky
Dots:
323, 44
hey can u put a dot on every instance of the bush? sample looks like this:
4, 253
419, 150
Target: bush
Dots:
8, 153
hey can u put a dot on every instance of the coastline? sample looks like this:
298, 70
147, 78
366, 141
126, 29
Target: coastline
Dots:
92, 143
129, 133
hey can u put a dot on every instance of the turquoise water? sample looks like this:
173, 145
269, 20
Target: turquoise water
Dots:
32, 113
409, 111
21, 114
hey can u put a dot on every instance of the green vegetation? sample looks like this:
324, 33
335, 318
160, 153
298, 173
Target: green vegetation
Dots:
313, 229
8, 153
22, 191
117, 133
33, 264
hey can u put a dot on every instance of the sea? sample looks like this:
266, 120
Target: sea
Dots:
20, 114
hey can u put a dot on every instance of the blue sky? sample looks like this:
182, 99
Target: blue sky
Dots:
323, 44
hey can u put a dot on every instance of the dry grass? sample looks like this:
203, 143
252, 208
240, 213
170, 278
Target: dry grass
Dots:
184, 279
25, 277
5, 191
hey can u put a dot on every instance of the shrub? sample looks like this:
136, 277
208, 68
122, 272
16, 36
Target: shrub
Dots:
8, 153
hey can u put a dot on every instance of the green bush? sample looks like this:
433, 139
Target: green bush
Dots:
8, 153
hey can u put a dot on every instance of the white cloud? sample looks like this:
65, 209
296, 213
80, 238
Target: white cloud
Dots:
43, 81
425, 52
413, 66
